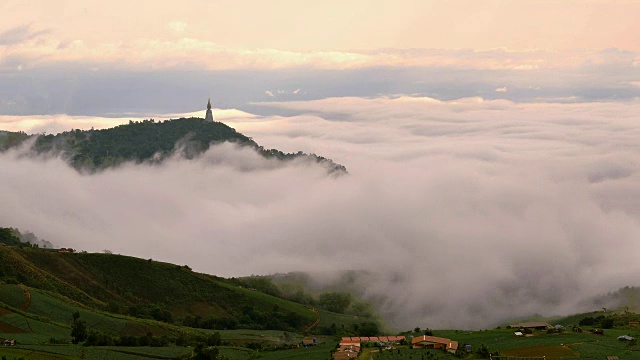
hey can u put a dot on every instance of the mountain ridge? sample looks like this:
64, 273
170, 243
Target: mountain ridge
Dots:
147, 141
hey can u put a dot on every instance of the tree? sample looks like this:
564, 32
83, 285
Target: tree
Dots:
335, 301
200, 352
588, 321
607, 323
79, 329
483, 351
368, 329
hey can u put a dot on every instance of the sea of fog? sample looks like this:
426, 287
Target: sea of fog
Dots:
464, 213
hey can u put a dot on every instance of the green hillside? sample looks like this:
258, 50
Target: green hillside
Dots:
131, 308
150, 289
146, 141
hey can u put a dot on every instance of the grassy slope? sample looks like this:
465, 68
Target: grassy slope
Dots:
94, 280
55, 285
49, 315
583, 344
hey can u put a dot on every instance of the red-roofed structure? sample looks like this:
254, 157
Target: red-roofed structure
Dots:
431, 342
396, 338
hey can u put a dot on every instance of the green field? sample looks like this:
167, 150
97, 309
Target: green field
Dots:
98, 352
57, 310
272, 336
34, 331
39, 313
554, 346
405, 353
158, 291
12, 295
327, 318
319, 352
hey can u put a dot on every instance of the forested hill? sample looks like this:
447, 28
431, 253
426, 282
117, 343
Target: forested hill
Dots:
147, 140
151, 289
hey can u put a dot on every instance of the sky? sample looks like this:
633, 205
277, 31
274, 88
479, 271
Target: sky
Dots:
491, 145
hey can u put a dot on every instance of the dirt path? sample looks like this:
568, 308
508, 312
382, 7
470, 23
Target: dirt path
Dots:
27, 299
27, 304
315, 322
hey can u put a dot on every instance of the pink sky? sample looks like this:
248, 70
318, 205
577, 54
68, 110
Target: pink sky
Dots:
286, 33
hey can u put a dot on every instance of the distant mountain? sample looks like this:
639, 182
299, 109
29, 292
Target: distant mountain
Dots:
147, 141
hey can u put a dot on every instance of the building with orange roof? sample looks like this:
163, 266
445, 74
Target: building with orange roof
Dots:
431, 342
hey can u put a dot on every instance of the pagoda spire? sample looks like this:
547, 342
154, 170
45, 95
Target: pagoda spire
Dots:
209, 116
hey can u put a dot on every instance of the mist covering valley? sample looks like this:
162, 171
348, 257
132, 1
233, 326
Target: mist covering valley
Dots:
461, 214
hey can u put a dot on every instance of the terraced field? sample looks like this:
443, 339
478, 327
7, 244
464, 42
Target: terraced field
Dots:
12, 295
99, 352
270, 336
550, 352
406, 353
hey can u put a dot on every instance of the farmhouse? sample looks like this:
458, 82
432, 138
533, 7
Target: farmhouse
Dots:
309, 342
533, 325
453, 347
382, 339
9, 343
396, 339
348, 349
433, 342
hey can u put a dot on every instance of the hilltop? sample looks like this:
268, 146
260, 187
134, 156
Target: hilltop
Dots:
146, 141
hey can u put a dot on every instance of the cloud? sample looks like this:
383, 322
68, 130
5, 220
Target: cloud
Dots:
177, 27
501, 89
196, 53
80, 78
52, 124
19, 34
466, 213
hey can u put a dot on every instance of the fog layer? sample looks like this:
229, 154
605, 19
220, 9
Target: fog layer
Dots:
466, 213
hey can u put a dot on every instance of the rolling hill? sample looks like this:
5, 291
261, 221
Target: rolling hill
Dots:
135, 308
149, 289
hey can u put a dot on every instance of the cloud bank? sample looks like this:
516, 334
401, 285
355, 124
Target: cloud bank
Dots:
466, 213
